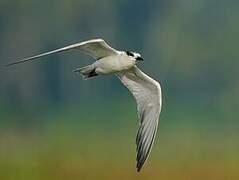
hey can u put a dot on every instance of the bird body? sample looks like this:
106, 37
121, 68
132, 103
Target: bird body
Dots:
113, 64
108, 65
146, 91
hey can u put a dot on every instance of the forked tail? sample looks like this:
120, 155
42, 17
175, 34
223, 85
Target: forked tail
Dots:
87, 71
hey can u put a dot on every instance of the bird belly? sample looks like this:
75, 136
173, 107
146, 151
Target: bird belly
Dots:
113, 64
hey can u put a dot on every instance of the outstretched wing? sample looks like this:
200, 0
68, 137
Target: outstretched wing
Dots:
147, 93
96, 48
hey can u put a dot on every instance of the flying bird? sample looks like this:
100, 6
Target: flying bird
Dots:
146, 91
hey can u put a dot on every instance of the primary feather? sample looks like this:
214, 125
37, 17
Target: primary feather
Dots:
147, 93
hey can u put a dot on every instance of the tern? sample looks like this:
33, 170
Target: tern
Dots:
146, 91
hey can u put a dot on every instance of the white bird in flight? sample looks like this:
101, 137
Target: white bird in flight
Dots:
146, 91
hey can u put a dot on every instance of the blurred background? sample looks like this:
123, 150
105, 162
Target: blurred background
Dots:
54, 125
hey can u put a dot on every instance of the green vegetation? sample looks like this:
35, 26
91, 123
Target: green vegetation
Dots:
71, 144
53, 125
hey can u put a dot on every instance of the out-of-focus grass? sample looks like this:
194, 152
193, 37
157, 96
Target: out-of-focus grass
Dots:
80, 145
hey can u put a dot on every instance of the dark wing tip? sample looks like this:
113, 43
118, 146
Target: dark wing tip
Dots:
141, 158
10, 64
143, 150
21, 61
139, 166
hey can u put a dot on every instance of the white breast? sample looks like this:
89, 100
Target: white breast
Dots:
113, 64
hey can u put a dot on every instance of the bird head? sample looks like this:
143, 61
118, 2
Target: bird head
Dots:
134, 55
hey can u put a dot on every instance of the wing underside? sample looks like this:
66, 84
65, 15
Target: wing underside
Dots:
147, 93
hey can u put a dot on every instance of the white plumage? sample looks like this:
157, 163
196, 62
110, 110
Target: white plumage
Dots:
146, 91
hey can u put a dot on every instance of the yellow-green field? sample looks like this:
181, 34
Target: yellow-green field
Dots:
74, 147
55, 126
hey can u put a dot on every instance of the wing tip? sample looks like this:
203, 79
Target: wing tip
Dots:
9, 64
143, 155
17, 62
139, 166
141, 158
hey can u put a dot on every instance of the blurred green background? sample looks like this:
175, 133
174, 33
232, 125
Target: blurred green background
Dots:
54, 125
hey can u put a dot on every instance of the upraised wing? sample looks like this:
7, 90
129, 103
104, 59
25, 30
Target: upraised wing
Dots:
96, 48
147, 93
